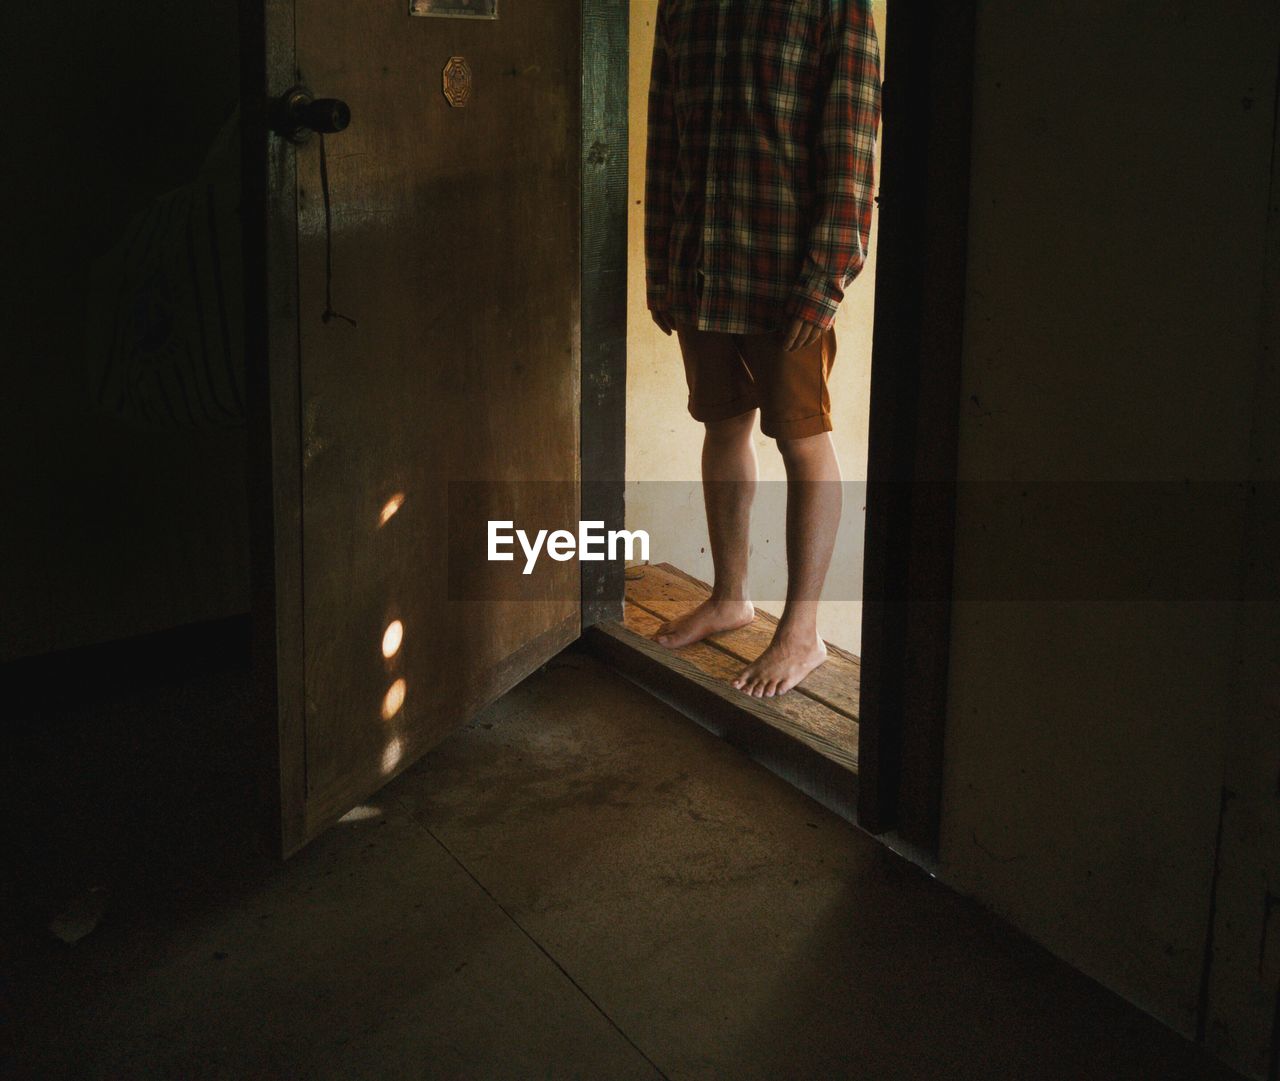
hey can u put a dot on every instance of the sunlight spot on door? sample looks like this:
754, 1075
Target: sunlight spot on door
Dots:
394, 699
392, 755
361, 814
392, 637
392, 506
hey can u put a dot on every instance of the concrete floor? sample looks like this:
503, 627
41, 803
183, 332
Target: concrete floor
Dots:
580, 884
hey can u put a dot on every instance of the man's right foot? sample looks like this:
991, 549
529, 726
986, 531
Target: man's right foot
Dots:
710, 617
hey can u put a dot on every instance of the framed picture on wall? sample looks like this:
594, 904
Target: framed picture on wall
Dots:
455, 9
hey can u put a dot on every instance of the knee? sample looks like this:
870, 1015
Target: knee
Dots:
733, 430
807, 452
799, 450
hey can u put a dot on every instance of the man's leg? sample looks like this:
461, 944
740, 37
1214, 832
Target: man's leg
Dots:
814, 500
728, 486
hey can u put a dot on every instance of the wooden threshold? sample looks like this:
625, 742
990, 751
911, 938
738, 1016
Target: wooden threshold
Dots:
809, 736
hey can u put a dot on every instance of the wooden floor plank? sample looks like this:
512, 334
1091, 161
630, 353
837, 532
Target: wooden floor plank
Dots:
667, 592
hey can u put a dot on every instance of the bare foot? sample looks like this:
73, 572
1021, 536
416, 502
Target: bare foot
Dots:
710, 617
780, 667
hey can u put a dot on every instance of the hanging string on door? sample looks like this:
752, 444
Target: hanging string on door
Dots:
329, 312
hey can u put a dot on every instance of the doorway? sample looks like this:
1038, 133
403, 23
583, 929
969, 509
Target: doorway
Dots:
896, 389
664, 443
664, 496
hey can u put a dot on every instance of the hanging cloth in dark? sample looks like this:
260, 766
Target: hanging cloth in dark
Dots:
165, 326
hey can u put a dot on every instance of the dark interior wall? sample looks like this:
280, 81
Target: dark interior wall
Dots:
1120, 344
111, 529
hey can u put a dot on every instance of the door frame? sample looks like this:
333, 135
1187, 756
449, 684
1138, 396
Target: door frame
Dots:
912, 465
274, 418
604, 179
915, 384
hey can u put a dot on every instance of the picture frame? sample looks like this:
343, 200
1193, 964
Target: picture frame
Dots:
455, 9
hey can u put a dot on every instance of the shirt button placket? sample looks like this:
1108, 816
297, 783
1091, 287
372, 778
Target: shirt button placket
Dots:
703, 287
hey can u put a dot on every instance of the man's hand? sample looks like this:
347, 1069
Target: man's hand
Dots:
663, 320
801, 334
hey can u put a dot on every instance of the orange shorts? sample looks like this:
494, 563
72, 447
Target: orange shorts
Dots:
731, 374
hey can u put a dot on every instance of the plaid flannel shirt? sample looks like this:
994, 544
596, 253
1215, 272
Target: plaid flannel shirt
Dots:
761, 156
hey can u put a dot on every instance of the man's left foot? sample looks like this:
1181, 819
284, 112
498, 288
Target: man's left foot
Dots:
780, 667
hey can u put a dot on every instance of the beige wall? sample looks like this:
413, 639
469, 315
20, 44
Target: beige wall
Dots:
664, 443
1113, 331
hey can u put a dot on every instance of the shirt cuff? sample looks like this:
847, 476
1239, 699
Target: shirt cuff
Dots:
812, 301
658, 297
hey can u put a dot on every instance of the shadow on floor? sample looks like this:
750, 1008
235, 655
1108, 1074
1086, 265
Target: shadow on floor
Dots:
579, 884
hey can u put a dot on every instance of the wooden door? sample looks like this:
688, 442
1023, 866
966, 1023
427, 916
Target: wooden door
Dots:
450, 353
